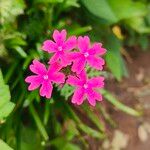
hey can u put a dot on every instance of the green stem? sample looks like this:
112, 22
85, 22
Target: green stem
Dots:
38, 122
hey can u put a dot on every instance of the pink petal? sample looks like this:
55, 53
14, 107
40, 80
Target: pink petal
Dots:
83, 76
65, 60
78, 96
54, 58
55, 67
96, 82
92, 96
58, 77
83, 43
78, 65
49, 46
96, 62
59, 37
46, 89
74, 81
70, 43
37, 67
97, 49
34, 81
74, 55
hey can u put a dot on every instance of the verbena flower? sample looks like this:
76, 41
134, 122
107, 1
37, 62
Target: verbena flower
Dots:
86, 88
60, 47
88, 55
43, 78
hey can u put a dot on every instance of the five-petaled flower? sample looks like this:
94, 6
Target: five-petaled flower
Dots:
87, 54
43, 78
86, 88
60, 47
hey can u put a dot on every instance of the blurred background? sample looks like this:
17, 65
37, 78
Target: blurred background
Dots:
121, 121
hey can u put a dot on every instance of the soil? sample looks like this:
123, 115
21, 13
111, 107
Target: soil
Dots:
135, 92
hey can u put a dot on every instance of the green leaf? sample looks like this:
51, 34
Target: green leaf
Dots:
48, 1
70, 146
20, 51
6, 106
27, 140
138, 24
108, 9
80, 30
114, 59
95, 119
6, 109
4, 146
69, 3
1, 78
91, 132
4, 98
66, 91
109, 97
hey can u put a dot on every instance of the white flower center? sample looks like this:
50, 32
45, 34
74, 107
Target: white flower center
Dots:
86, 54
45, 77
85, 86
60, 48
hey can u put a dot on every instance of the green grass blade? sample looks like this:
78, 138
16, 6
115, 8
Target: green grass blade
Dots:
109, 97
38, 122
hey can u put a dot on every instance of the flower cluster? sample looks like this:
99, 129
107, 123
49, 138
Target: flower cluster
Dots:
76, 53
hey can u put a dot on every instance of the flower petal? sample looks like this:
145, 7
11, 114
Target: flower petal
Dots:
59, 37
83, 43
78, 65
92, 96
34, 81
96, 82
65, 60
70, 43
54, 58
97, 49
58, 77
74, 55
78, 96
96, 62
83, 76
55, 67
74, 81
49, 46
37, 67
46, 89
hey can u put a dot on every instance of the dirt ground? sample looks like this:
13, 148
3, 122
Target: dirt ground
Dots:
135, 92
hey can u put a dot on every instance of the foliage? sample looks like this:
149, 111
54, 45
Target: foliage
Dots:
24, 25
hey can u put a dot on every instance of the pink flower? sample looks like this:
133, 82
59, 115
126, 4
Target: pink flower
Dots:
87, 54
60, 47
43, 78
86, 88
